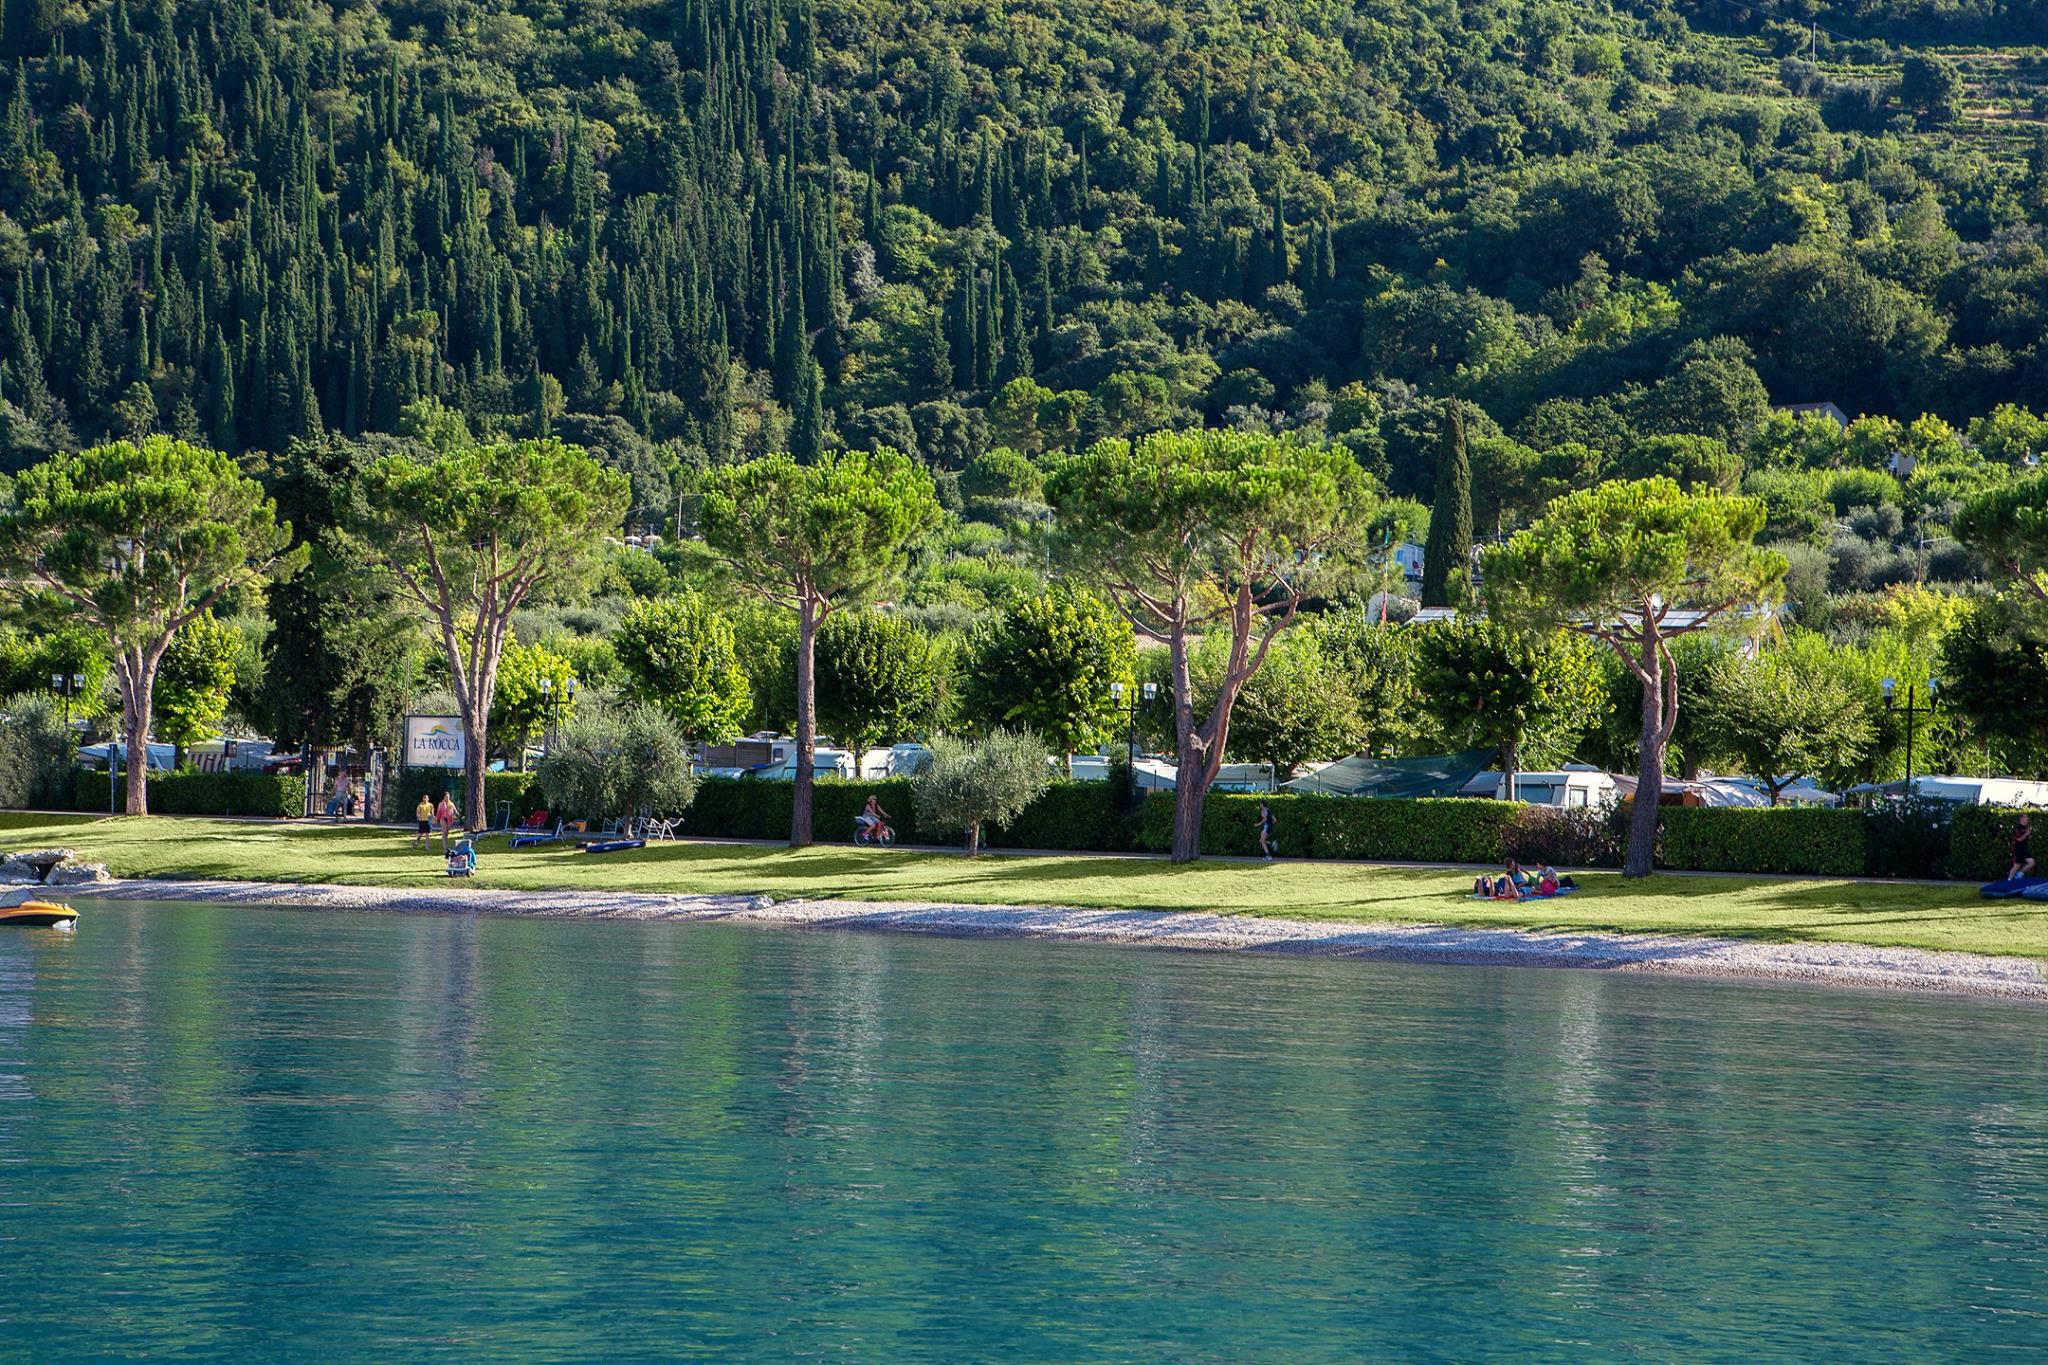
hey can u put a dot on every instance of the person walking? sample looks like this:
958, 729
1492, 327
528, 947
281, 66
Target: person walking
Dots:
445, 816
1268, 843
2022, 849
423, 818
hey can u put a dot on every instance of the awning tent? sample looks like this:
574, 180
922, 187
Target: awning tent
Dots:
1433, 775
159, 756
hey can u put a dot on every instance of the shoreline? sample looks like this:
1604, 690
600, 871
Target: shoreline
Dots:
1915, 970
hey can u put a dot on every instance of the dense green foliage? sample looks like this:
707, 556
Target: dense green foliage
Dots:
194, 679
1526, 694
678, 654
685, 233
1067, 815
1795, 710
1050, 664
1486, 256
136, 541
1081, 816
1198, 532
879, 679
188, 793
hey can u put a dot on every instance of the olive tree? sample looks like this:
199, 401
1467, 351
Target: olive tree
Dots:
467, 533
628, 761
1635, 565
138, 540
1200, 532
971, 784
37, 753
817, 538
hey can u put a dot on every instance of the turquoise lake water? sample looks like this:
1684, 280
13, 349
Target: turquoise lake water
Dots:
281, 1135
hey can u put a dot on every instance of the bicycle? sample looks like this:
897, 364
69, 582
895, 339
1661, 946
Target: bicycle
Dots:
874, 836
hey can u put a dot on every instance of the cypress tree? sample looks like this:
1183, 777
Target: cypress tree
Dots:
1449, 551
220, 392
938, 355
807, 420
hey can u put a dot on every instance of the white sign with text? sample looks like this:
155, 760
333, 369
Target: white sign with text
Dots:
434, 742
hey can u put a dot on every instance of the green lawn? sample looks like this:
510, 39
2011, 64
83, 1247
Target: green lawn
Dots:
1775, 908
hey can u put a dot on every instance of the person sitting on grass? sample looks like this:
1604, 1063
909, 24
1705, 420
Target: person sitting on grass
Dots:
2022, 850
1510, 885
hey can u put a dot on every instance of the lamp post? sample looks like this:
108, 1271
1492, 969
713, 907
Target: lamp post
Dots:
1129, 701
67, 688
552, 705
1913, 707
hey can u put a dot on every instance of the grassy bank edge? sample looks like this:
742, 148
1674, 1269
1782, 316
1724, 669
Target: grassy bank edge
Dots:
1772, 909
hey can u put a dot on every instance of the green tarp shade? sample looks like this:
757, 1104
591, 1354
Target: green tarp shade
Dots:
1434, 775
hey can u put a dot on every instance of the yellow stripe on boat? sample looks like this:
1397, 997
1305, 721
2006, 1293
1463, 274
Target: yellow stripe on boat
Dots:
37, 914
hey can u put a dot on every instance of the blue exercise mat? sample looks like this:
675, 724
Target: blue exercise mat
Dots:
2017, 886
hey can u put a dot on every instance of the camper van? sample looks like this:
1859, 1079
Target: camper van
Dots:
1571, 788
771, 757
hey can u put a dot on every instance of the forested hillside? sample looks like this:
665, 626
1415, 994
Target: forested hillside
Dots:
681, 233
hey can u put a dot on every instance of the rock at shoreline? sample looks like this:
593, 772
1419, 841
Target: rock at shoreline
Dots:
40, 859
19, 874
76, 874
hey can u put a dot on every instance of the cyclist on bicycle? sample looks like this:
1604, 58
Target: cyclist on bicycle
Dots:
873, 822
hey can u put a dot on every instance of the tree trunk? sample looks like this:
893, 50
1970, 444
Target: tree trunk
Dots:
974, 839
137, 678
1642, 834
135, 727
1510, 760
806, 724
473, 723
1189, 789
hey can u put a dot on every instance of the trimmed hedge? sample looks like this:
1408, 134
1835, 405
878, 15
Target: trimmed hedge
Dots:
1070, 815
1571, 836
1801, 840
1813, 840
191, 793
752, 808
1980, 843
1429, 830
404, 788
